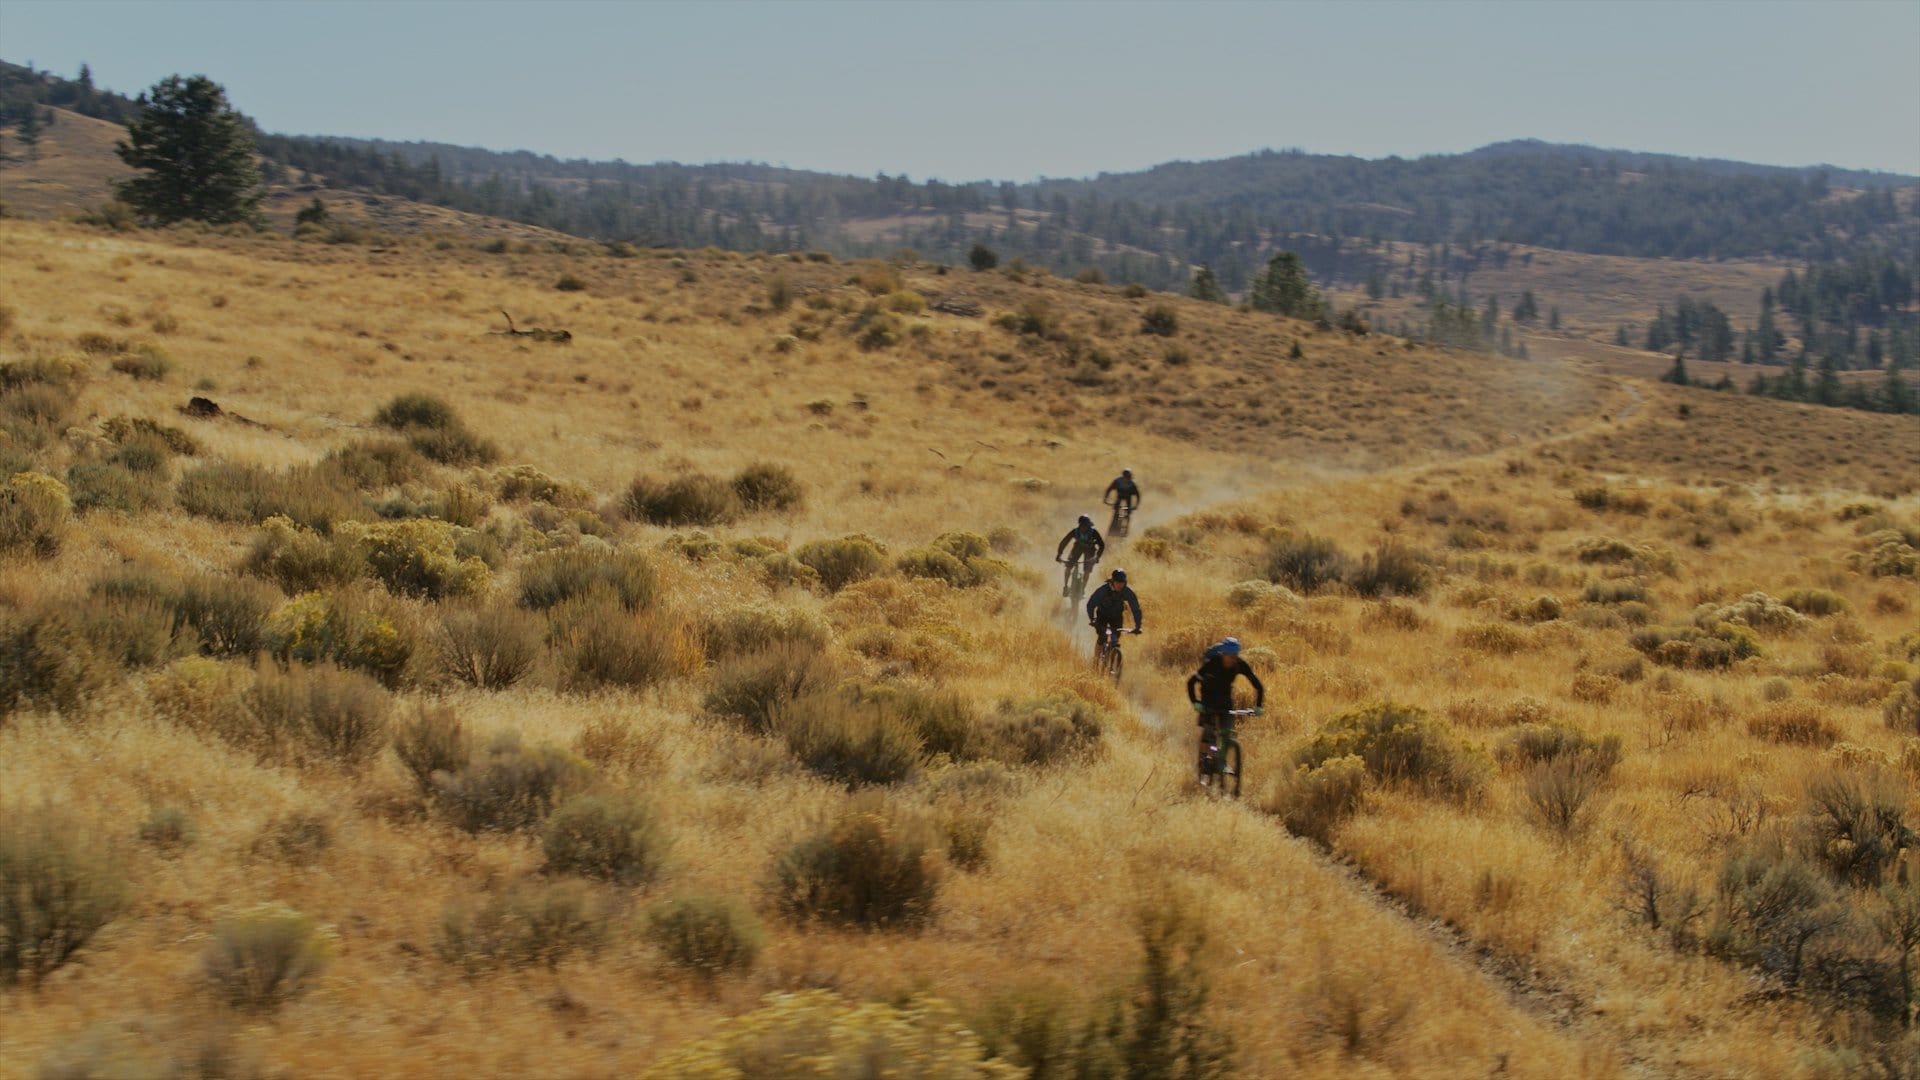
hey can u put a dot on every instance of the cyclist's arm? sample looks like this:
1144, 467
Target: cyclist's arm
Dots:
1259, 691
1094, 601
1099, 546
1064, 541
1193, 688
1134, 603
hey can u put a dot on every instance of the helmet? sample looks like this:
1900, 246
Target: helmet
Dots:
1085, 520
1118, 575
1228, 647
1126, 473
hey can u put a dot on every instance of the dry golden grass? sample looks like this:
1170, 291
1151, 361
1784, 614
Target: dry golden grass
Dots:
678, 364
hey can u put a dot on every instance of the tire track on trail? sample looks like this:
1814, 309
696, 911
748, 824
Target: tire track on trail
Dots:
1510, 977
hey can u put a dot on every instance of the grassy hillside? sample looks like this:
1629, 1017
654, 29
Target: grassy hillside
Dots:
465, 648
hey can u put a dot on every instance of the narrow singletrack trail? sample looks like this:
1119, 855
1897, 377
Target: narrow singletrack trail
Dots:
1511, 977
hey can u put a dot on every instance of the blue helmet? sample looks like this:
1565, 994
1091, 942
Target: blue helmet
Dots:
1227, 647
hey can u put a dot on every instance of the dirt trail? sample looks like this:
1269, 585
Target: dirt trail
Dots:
1512, 977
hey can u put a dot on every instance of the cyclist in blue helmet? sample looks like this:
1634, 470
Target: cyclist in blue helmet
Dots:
1210, 689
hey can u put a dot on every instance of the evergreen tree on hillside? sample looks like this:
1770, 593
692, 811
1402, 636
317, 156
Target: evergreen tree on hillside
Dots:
1283, 289
194, 153
28, 131
1207, 287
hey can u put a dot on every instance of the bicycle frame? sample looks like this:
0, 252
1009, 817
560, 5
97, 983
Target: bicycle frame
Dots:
1220, 764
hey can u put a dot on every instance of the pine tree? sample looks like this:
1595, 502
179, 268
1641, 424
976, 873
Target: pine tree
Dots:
28, 131
194, 153
1894, 395
1284, 289
1206, 286
1826, 383
1677, 374
982, 257
1553, 318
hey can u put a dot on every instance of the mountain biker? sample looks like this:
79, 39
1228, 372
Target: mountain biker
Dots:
1107, 607
1210, 689
1122, 490
1088, 546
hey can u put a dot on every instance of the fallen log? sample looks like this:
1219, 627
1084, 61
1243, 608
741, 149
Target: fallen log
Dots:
537, 333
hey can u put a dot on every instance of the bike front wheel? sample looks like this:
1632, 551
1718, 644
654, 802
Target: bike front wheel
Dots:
1115, 660
1230, 770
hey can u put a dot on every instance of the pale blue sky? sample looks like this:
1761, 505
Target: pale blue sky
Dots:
1017, 90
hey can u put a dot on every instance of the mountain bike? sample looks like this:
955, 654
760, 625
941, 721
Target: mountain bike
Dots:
1122, 519
1219, 766
1107, 657
1078, 570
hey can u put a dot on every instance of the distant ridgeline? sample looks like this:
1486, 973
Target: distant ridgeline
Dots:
1150, 226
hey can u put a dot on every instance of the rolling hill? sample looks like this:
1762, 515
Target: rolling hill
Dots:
286, 677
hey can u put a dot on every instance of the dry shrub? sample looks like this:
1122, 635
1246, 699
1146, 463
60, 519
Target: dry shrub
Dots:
1392, 569
1793, 723
1594, 688
1702, 648
1902, 709
229, 614
523, 483
509, 786
752, 687
434, 430
616, 838
204, 694
297, 838
1772, 903
1393, 615
416, 558
416, 411
1496, 638
1815, 603
1617, 591
1313, 801
35, 510
764, 486
554, 577
430, 743
110, 485
1305, 563
842, 562
1856, 823
1611, 551
314, 497
47, 662
1756, 610
760, 625
167, 830
319, 711
1538, 744
876, 865
261, 956
1400, 746
491, 648
1044, 730
134, 631
707, 935
58, 887
350, 630
1560, 788
600, 644
301, 560
527, 925
372, 464
846, 738
688, 499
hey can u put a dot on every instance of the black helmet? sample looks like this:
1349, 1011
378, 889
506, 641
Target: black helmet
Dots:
1127, 473
1085, 520
1118, 575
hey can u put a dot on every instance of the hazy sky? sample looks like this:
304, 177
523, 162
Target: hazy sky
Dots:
969, 90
